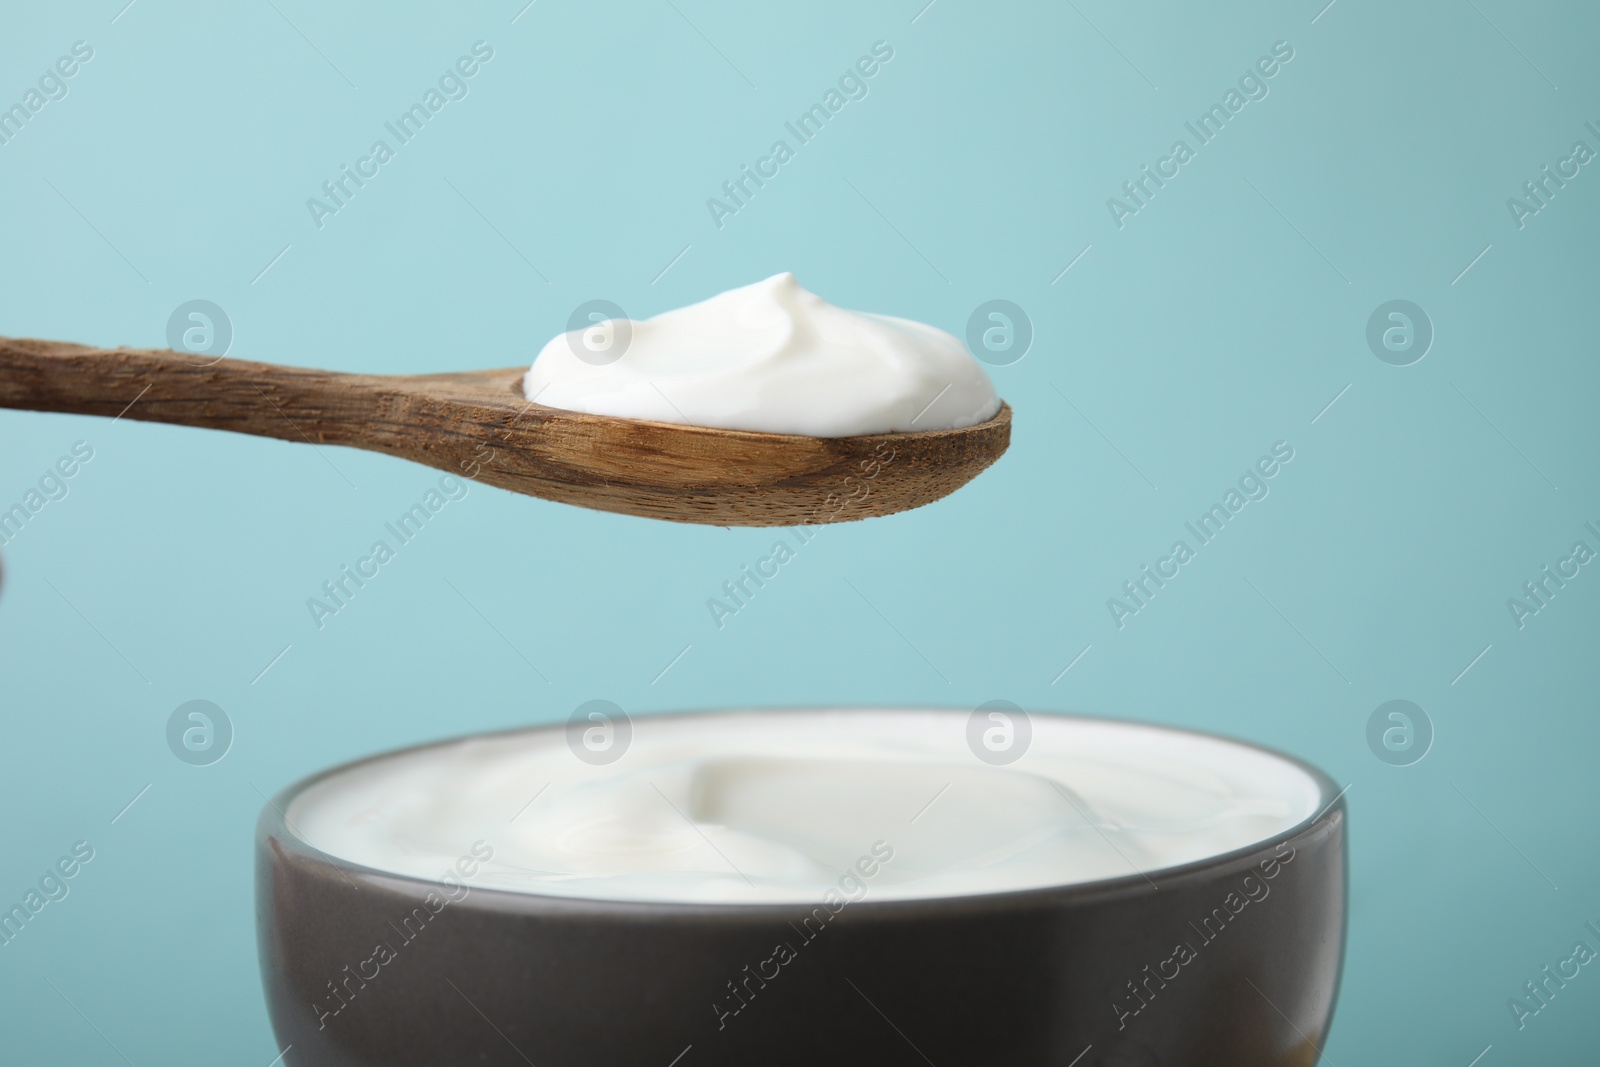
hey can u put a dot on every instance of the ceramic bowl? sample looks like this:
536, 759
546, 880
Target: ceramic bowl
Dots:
1231, 961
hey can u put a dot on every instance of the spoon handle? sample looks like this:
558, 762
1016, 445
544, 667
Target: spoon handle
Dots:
477, 424
291, 403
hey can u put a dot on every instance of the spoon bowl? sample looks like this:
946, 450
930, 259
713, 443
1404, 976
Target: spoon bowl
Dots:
476, 424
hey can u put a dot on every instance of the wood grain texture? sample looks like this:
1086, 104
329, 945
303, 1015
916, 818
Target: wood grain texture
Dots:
476, 424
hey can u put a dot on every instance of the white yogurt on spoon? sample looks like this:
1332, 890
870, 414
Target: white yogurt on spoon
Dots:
769, 357
769, 807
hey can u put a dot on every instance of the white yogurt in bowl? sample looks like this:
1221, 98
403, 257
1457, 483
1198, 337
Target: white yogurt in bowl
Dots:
772, 358
776, 806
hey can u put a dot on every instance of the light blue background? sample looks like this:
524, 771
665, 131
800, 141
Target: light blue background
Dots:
1224, 317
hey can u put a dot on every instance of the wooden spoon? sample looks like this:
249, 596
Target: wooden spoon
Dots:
477, 424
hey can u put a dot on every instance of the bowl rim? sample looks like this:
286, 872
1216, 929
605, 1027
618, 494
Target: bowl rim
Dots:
276, 838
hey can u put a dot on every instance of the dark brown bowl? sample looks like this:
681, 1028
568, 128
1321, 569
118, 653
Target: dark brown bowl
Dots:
365, 968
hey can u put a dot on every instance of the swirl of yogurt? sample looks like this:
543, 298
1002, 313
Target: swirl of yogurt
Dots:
773, 358
775, 806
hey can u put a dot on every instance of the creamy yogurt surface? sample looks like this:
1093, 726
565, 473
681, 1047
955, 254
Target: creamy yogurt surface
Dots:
769, 357
778, 807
